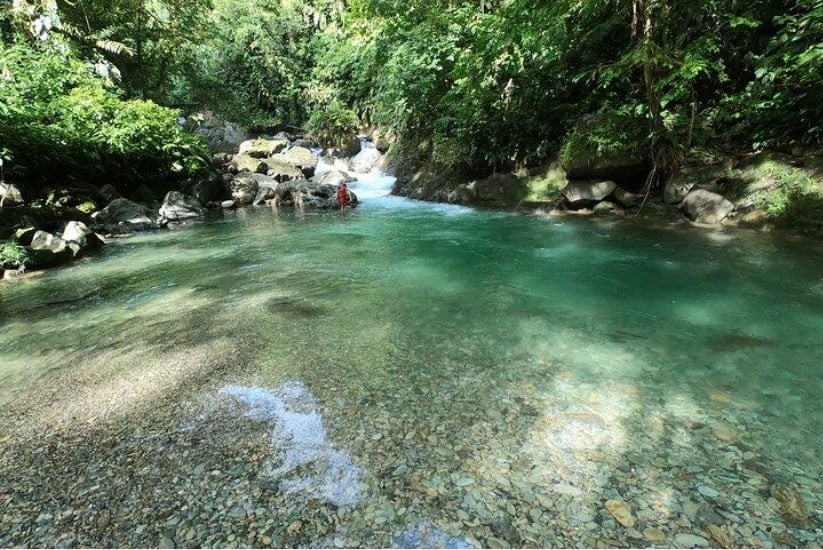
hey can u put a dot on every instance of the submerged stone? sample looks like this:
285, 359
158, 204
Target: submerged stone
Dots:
621, 512
425, 535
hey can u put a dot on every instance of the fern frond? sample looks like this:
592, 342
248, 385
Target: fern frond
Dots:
115, 47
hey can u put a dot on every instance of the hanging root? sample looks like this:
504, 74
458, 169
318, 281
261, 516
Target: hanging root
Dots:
667, 156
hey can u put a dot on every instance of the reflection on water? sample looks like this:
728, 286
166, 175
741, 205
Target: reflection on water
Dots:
300, 438
437, 376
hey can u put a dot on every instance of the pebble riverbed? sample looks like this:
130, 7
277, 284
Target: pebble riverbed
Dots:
167, 458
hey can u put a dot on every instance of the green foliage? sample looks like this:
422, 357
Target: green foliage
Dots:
333, 126
605, 134
68, 122
489, 86
13, 256
794, 199
152, 43
546, 185
256, 65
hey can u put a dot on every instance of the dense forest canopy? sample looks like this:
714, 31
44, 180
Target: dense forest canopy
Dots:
91, 86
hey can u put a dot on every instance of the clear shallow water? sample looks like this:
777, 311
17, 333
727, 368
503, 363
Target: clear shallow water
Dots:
479, 378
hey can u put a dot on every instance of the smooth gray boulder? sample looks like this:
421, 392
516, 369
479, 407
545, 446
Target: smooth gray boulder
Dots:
78, 232
282, 171
47, 250
298, 157
263, 147
702, 206
177, 206
124, 211
333, 177
498, 189
625, 198
242, 162
582, 193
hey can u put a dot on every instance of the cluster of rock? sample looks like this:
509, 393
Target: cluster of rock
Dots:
699, 202
45, 249
274, 171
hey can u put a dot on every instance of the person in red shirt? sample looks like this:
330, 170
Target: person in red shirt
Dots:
342, 196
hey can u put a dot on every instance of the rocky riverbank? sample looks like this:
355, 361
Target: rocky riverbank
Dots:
277, 171
763, 191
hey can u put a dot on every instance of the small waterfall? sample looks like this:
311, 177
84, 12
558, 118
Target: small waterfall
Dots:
373, 188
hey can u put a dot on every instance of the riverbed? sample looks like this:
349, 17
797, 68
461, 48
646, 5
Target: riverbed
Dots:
408, 374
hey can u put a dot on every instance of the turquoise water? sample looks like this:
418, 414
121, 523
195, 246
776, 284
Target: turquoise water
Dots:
467, 378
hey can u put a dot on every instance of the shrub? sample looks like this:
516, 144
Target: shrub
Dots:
333, 126
68, 123
13, 256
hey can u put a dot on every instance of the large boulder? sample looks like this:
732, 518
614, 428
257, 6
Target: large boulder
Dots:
608, 146
305, 193
43, 240
47, 250
266, 189
264, 194
10, 194
366, 160
80, 234
177, 206
702, 206
244, 189
299, 157
705, 174
676, 188
263, 147
282, 171
347, 149
383, 139
581, 194
625, 198
497, 189
242, 162
333, 178
620, 166
221, 134
124, 211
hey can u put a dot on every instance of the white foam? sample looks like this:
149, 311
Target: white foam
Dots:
300, 437
373, 190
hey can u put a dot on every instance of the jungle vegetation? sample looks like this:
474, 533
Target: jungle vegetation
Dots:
91, 88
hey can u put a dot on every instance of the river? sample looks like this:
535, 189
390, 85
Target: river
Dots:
410, 374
